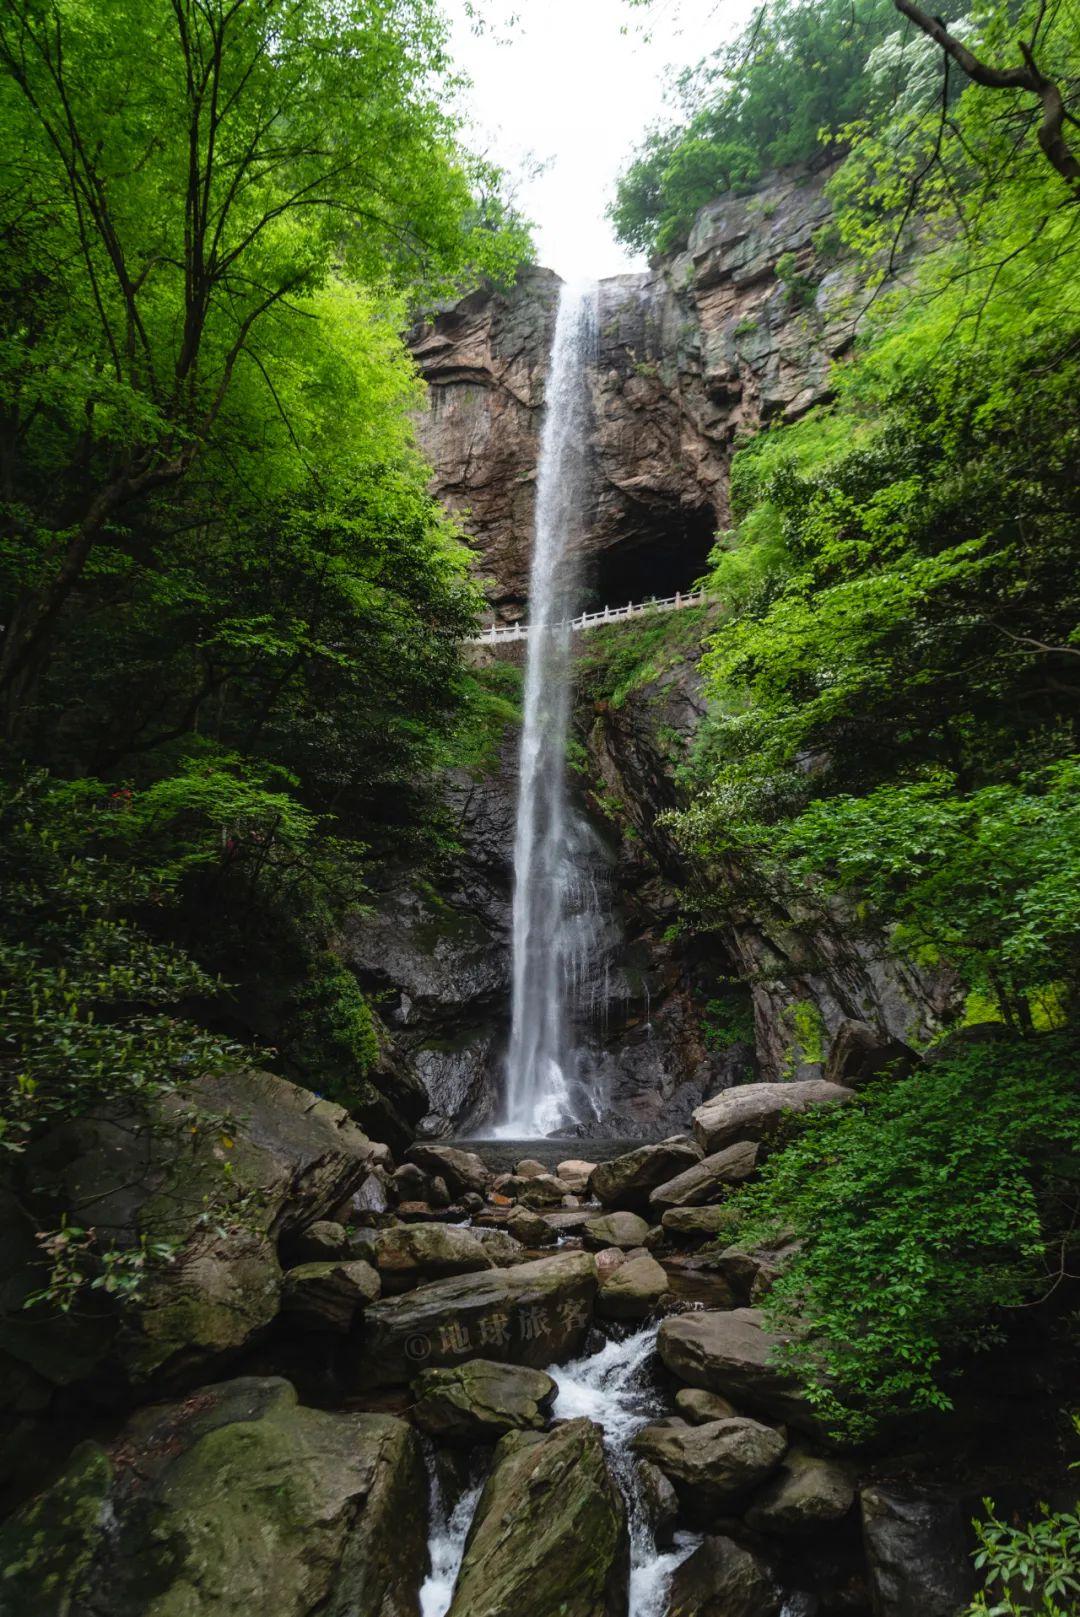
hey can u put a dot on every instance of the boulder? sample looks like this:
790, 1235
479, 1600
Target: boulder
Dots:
693, 1277
322, 1242
751, 1111
569, 1220
576, 1174
918, 1551
549, 1535
722, 1579
699, 1407
410, 1183
502, 1248
439, 1193
807, 1493
707, 1180
530, 1229
659, 1503
733, 1353
225, 1194
627, 1180
685, 1224
608, 1259
633, 1290
713, 1467
413, 1253
480, 1401
623, 1230
535, 1190
462, 1170
529, 1168
535, 1314
859, 1053
234, 1501
328, 1296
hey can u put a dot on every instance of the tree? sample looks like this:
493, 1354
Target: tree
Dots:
183, 181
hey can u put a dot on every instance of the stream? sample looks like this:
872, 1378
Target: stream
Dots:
612, 1388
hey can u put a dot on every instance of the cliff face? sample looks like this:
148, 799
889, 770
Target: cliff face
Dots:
691, 358
708, 346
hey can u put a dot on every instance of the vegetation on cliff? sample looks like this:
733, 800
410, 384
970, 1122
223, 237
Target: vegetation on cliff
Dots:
892, 733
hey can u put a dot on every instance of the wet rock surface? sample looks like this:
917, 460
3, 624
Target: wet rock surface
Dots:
714, 1466
235, 1501
549, 1533
722, 1579
734, 1354
481, 1401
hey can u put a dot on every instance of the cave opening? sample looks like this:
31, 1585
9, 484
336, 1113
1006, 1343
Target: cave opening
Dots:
660, 551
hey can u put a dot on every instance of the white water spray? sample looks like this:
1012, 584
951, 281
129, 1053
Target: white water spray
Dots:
554, 946
612, 1388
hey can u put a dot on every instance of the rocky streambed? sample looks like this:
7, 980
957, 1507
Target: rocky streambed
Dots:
433, 1389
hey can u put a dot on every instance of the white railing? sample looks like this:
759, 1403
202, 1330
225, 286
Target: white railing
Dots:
499, 633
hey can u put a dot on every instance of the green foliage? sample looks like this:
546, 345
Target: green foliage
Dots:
989, 881
88, 998
791, 79
927, 1209
728, 1018
1030, 1571
622, 659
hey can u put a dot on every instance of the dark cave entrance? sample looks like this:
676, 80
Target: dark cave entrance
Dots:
661, 551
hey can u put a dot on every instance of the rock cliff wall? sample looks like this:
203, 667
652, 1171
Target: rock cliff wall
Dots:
692, 357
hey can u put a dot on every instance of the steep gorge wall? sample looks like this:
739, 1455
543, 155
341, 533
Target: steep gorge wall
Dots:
693, 356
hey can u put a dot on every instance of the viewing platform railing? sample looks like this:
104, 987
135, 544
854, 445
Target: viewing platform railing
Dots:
499, 633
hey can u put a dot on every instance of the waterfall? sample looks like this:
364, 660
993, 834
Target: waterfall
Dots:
555, 906
612, 1388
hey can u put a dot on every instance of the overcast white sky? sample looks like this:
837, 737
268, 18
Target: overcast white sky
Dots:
570, 88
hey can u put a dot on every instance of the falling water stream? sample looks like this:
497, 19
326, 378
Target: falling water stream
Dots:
556, 919
610, 1387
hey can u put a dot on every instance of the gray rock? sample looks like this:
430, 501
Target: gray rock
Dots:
549, 1535
918, 1552
413, 1253
733, 1354
659, 1501
750, 1111
696, 1223
130, 1175
708, 1180
535, 1314
480, 1401
722, 1579
700, 1407
627, 1180
231, 1502
328, 1296
535, 1190
529, 1168
633, 1290
807, 1493
576, 1173
715, 1466
410, 1183
501, 1246
694, 1278
530, 1229
622, 1229
322, 1242
859, 1053
462, 1170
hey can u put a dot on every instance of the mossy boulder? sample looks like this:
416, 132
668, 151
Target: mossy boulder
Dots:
633, 1290
328, 1296
549, 1535
481, 1400
723, 1579
536, 1314
413, 1253
715, 1466
234, 1501
624, 1230
222, 1172
626, 1181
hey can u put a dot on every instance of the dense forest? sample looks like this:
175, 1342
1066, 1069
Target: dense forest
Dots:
231, 672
